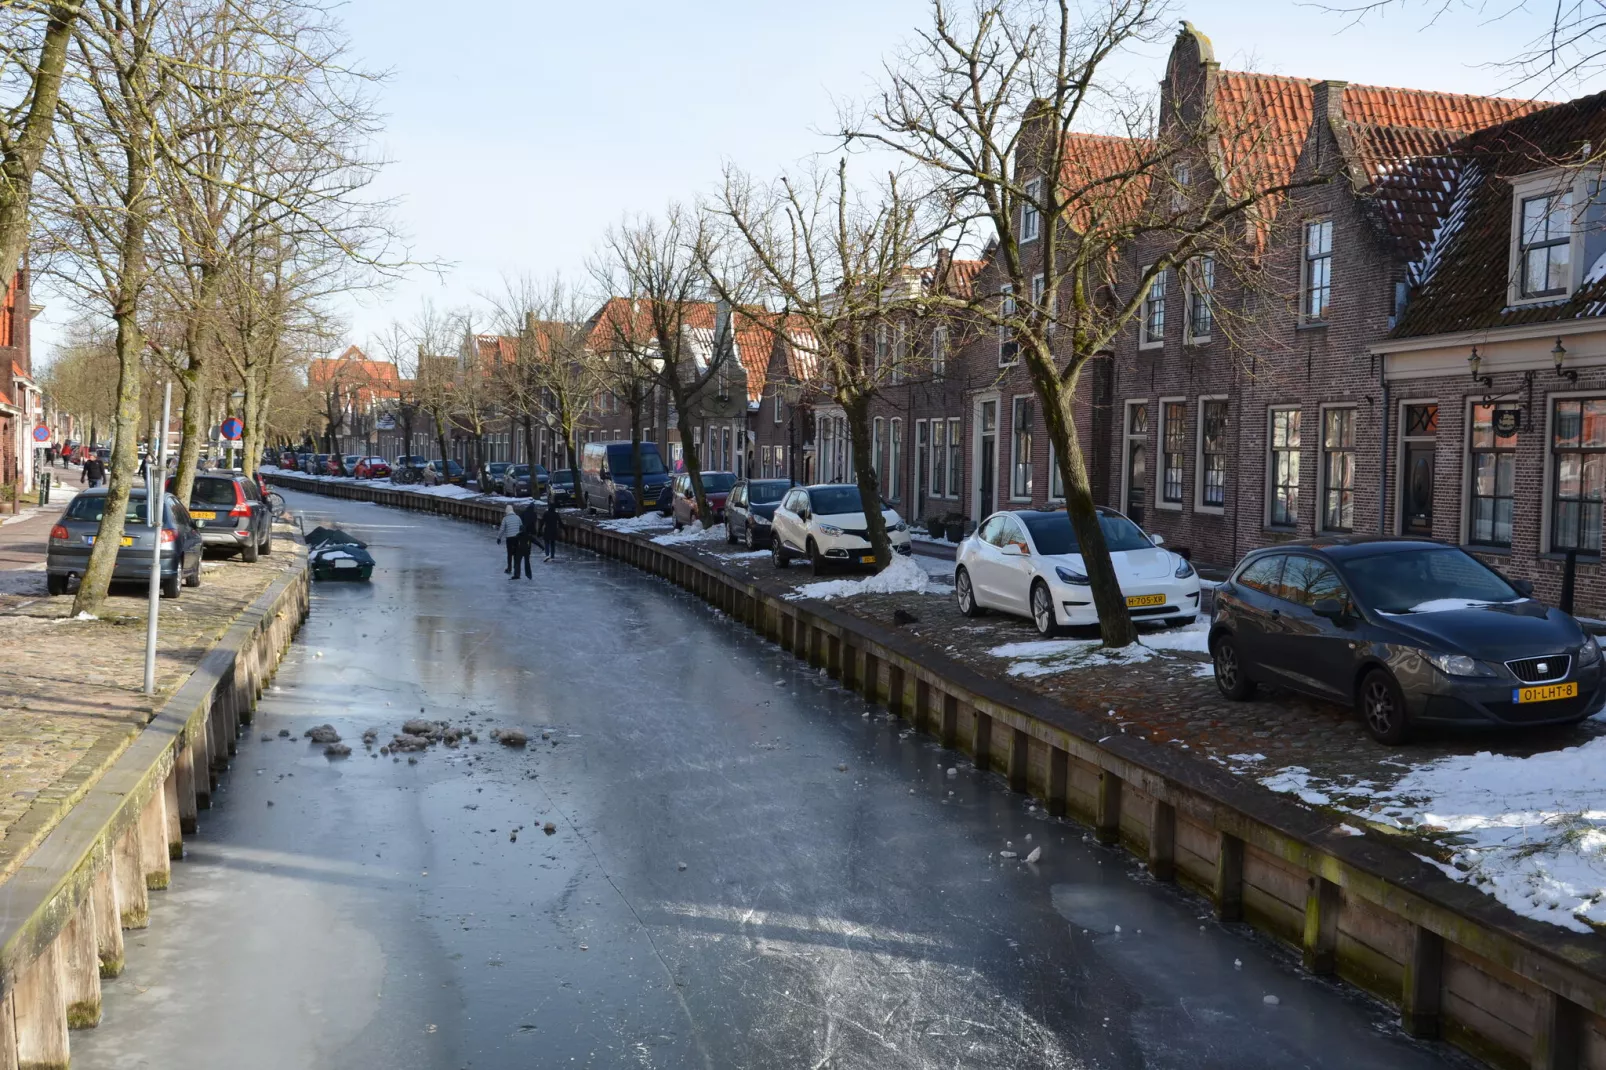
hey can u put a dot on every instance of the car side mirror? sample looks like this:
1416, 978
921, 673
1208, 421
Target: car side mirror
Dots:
1331, 608
1011, 549
1158, 540
1522, 587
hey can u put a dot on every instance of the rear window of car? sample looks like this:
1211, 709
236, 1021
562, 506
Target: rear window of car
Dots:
213, 492
714, 482
91, 508
1262, 575
765, 491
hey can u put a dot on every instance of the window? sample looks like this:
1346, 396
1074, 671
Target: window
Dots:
1174, 436
954, 435
1318, 271
939, 460
1008, 348
1213, 428
1137, 459
777, 410
939, 352
898, 354
1056, 485
922, 463
881, 349
1045, 312
894, 458
1578, 447
1545, 245
1200, 306
1338, 469
1306, 581
1151, 328
1181, 176
1494, 472
1020, 468
1284, 468
1031, 217
877, 437
1263, 574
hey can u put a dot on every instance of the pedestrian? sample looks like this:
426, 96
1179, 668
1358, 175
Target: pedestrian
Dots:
511, 531
529, 531
549, 530
94, 471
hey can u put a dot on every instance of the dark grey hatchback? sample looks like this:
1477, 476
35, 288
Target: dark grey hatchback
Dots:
1410, 631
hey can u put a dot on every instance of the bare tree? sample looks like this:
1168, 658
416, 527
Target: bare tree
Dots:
35, 39
992, 101
838, 264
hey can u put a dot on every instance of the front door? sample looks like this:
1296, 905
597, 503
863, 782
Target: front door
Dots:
1137, 460
1417, 441
987, 459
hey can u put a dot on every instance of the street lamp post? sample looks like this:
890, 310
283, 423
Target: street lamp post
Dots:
155, 499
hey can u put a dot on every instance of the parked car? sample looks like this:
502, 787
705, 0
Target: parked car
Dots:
683, 499
315, 464
371, 468
1409, 631
826, 524
560, 488
449, 472
608, 476
1030, 564
230, 513
71, 540
750, 509
495, 470
348, 464
288, 460
524, 481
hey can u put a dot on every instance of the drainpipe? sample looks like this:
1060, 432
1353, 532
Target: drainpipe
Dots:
1383, 454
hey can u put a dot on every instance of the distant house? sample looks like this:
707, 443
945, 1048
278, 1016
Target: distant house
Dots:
356, 395
21, 403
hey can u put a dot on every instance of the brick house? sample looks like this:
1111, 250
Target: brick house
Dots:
1495, 373
21, 403
356, 396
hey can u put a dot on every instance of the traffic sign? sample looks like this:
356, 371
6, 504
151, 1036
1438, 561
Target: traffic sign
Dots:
232, 429
41, 433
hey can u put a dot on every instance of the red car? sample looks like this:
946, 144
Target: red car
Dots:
372, 468
683, 502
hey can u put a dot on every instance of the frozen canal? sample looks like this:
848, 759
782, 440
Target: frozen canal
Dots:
750, 867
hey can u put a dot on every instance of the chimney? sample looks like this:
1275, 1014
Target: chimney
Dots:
945, 263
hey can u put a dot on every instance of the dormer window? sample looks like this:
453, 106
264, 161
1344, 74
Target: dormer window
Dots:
1545, 253
1031, 219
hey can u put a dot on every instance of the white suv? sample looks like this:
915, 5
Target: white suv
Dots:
826, 524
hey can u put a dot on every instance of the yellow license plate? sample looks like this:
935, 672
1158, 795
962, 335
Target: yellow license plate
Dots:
1548, 693
1145, 600
867, 559
203, 514
127, 540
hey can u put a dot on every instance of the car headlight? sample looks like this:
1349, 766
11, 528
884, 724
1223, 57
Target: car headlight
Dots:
830, 529
1458, 665
899, 526
1184, 568
1589, 653
760, 521
1070, 575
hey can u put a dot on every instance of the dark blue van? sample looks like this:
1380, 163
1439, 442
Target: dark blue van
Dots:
608, 477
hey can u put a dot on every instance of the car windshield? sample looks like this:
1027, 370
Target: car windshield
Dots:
91, 507
521, 470
563, 478
1052, 533
715, 482
213, 492
619, 460
1421, 581
766, 491
832, 501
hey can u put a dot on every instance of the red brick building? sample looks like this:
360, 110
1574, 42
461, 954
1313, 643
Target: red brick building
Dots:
21, 404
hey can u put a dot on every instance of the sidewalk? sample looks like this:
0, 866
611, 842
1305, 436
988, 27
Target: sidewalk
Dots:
70, 689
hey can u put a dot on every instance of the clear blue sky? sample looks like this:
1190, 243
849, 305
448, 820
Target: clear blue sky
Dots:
519, 135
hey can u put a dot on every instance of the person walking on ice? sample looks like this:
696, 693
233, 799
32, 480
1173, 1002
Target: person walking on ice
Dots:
511, 532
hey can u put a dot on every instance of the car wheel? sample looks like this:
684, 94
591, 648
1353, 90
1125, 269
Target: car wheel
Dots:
778, 554
1043, 611
170, 585
267, 543
1382, 707
193, 578
752, 543
1231, 680
730, 534
965, 594
816, 559
56, 584
248, 552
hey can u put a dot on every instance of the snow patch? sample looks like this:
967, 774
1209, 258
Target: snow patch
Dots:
691, 533
644, 522
900, 577
1295, 780
1047, 657
1195, 638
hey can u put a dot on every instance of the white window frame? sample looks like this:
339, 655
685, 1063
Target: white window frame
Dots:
939, 352
922, 459
1031, 220
1006, 307
1039, 288
1150, 298
1199, 505
1271, 411
1540, 184
1305, 261
777, 409
1160, 454
1182, 179
1188, 335
898, 339
1321, 462
1056, 486
877, 437
895, 459
1014, 433
1549, 495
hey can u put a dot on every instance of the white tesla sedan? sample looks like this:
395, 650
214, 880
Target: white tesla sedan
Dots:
826, 524
1029, 563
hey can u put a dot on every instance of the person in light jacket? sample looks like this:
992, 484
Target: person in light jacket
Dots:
511, 532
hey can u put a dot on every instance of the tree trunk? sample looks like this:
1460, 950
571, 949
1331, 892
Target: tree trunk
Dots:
688, 453
97, 576
856, 408
1115, 624
635, 455
22, 157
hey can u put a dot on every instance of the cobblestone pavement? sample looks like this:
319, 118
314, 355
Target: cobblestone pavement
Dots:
1172, 697
70, 690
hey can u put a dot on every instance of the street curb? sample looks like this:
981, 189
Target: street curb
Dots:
1459, 965
63, 909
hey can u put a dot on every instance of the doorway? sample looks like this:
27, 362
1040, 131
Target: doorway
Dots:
1137, 460
1419, 430
986, 480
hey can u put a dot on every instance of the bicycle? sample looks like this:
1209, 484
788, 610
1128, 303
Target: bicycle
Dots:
277, 504
407, 475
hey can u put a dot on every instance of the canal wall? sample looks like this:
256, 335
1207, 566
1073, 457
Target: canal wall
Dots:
63, 912
1458, 966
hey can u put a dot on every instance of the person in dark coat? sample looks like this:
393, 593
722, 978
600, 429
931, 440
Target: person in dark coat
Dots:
94, 471
529, 522
550, 524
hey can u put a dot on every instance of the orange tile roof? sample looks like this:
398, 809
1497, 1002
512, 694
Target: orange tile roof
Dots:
1106, 179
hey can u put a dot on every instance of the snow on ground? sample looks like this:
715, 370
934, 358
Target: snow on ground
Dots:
901, 577
936, 567
1194, 638
691, 533
644, 522
1529, 831
27, 513
1045, 657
